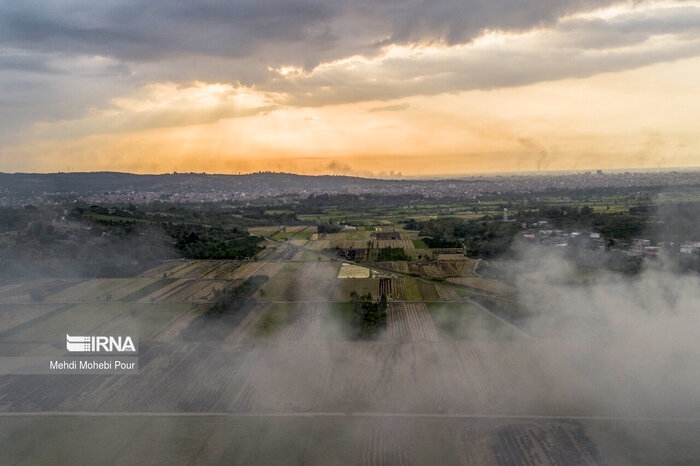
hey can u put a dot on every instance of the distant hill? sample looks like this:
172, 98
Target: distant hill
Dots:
82, 182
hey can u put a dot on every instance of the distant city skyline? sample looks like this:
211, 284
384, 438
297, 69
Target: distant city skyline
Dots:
389, 89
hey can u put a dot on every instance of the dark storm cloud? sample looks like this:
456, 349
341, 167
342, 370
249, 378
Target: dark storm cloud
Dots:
155, 30
304, 30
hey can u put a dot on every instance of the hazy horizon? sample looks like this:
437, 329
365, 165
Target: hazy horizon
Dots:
437, 176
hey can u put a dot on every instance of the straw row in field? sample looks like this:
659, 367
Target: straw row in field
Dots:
306, 326
409, 321
246, 328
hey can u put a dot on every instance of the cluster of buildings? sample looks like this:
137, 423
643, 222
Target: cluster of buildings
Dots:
542, 234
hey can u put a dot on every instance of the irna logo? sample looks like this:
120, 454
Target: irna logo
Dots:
97, 344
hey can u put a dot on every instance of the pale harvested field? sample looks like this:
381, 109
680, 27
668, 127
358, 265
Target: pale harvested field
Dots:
410, 321
353, 271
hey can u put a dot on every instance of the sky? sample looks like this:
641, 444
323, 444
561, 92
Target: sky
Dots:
368, 88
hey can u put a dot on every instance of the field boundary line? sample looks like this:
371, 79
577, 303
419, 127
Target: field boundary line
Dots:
580, 417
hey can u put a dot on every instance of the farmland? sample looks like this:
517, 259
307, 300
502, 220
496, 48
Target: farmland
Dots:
442, 382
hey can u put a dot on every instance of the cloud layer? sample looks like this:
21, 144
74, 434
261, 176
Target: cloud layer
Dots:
72, 69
